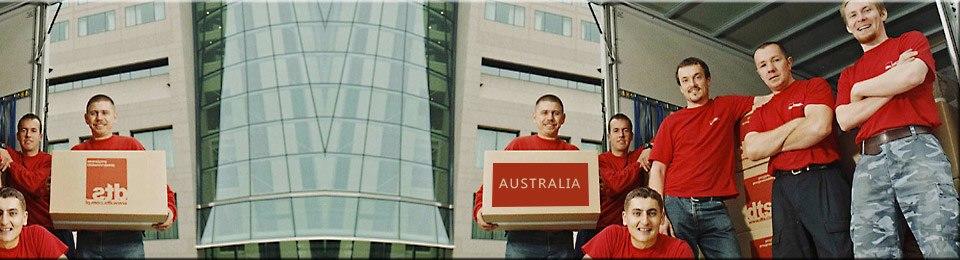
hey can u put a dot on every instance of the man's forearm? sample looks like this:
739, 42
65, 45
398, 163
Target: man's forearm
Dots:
817, 124
852, 115
759, 145
657, 174
896, 80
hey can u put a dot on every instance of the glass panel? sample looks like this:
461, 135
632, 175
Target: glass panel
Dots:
255, 15
290, 70
418, 222
394, 15
332, 216
347, 136
415, 81
233, 112
296, 102
232, 180
234, 50
268, 176
324, 172
377, 219
383, 140
265, 138
233, 145
327, 36
258, 43
368, 12
325, 68
416, 112
234, 82
261, 74
325, 97
380, 176
353, 102
391, 44
264, 106
286, 38
272, 218
232, 222
302, 136
282, 12
358, 70
363, 39
308, 11
385, 106
413, 181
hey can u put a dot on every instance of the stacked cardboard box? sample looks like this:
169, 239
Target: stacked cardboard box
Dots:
751, 210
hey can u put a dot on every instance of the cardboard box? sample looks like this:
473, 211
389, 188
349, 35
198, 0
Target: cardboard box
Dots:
108, 190
761, 243
758, 189
541, 190
949, 134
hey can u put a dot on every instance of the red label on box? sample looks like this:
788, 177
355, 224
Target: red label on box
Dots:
106, 181
757, 207
762, 247
540, 184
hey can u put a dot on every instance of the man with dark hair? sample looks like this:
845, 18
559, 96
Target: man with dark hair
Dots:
811, 197
888, 94
100, 116
693, 163
549, 116
619, 173
29, 170
639, 236
19, 240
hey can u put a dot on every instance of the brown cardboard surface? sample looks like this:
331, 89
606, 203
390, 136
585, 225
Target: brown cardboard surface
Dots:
949, 134
108, 190
543, 217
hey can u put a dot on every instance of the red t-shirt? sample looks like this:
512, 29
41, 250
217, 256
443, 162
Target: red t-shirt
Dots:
30, 175
125, 143
35, 242
913, 107
529, 143
788, 105
697, 146
619, 175
614, 242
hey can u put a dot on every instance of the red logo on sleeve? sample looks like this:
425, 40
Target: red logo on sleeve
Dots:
106, 181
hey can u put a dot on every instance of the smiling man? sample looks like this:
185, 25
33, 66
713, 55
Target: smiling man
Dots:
888, 94
810, 198
548, 115
100, 116
639, 236
693, 162
18, 240
29, 170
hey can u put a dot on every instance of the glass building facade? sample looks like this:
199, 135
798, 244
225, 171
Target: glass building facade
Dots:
324, 128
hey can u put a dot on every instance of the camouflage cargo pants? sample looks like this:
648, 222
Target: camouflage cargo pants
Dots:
914, 173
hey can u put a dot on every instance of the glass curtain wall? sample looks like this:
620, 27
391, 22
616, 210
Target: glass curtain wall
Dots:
327, 123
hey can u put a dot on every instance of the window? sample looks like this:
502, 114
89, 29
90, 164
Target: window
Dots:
546, 80
58, 145
490, 139
586, 145
505, 13
590, 31
144, 13
161, 139
59, 31
553, 23
96, 23
110, 78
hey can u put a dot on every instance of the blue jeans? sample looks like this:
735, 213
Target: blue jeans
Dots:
539, 244
705, 226
914, 174
110, 244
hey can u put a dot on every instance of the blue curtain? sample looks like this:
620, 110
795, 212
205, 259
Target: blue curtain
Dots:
8, 120
648, 114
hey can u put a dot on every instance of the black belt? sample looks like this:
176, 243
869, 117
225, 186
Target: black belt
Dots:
808, 168
871, 146
704, 199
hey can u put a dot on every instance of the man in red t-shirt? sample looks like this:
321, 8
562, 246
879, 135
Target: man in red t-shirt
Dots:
549, 116
811, 197
620, 172
693, 163
17, 240
888, 94
29, 170
100, 116
639, 236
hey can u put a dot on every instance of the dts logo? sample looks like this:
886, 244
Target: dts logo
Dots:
106, 181
758, 211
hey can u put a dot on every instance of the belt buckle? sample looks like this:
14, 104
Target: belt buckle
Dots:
694, 199
799, 171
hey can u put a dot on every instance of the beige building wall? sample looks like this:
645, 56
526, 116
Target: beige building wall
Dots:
158, 101
499, 102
